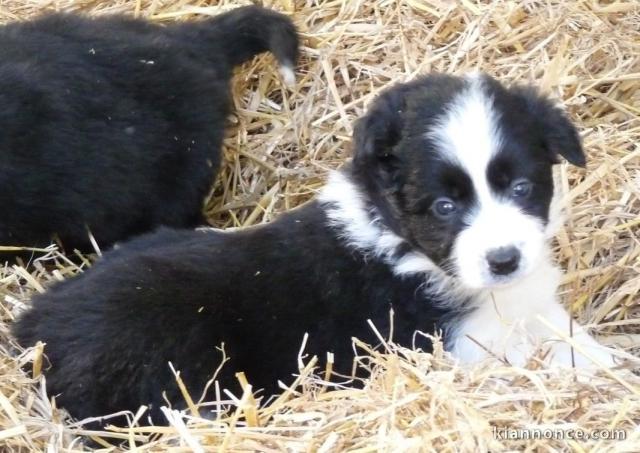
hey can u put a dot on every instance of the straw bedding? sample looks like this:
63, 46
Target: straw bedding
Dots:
280, 144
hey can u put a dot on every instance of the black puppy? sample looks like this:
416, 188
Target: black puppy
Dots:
443, 215
114, 125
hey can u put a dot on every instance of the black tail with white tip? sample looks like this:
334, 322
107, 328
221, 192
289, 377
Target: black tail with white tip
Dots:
245, 32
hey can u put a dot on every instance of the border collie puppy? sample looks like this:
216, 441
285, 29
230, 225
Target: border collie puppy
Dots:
443, 215
115, 125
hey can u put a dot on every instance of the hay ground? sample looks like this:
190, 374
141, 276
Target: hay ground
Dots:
280, 145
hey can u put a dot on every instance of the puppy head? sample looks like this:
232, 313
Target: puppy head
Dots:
460, 168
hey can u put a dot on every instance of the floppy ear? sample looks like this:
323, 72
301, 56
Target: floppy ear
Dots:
377, 133
560, 137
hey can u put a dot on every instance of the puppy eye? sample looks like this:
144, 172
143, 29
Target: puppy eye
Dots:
520, 188
444, 207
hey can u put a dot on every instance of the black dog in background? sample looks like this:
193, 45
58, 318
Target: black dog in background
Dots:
114, 125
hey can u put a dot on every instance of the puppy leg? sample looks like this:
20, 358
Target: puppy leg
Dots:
588, 353
493, 331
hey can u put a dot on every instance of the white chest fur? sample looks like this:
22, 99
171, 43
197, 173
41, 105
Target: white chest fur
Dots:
506, 325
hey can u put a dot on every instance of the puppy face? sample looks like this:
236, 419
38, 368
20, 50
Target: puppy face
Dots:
460, 168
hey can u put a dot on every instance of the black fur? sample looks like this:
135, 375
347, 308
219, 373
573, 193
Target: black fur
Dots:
175, 296
560, 137
115, 124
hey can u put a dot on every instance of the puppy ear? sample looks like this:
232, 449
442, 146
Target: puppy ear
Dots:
379, 131
560, 137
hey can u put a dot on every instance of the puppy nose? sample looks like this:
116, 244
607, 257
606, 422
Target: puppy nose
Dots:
503, 260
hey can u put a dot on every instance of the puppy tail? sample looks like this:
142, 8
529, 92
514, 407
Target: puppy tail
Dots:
245, 32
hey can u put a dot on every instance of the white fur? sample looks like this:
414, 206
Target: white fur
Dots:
347, 211
288, 75
505, 325
412, 263
468, 133
496, 225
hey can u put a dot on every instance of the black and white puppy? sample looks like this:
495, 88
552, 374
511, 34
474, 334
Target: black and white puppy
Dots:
443, 215
114, 125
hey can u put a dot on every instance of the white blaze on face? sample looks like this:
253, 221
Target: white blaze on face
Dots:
469, 136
